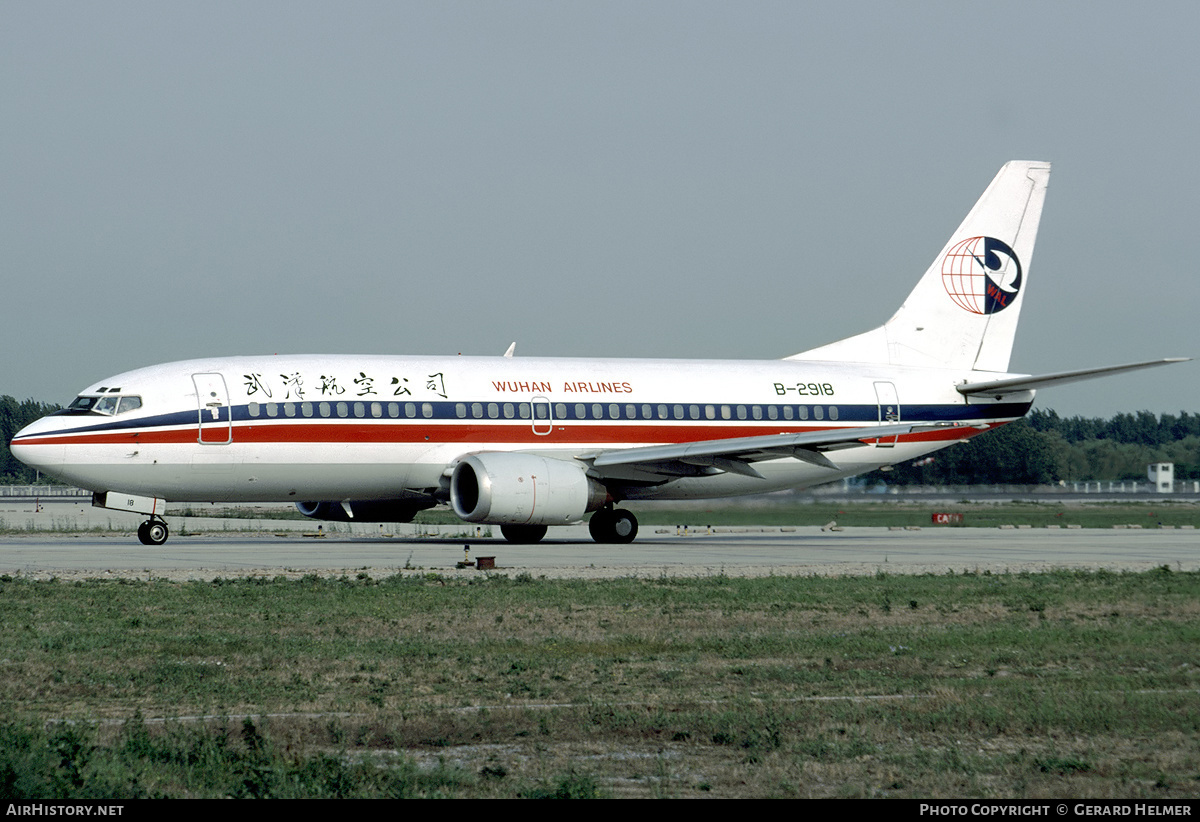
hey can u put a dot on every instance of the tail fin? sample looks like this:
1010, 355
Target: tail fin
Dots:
963, 313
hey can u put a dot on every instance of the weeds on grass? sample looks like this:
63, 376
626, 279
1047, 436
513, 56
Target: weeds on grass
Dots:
71, 761
1016, 685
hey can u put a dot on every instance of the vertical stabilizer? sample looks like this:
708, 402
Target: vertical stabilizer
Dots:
963, 312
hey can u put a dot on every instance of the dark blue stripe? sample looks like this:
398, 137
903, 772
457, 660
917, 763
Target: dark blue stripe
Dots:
443, 411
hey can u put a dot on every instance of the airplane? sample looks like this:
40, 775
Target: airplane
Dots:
527, 443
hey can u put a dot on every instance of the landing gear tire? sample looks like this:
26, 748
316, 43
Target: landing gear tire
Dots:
600, 524
523, 534
153, 532
613, 527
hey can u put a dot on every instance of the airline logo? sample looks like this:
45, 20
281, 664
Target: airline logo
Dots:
982, 275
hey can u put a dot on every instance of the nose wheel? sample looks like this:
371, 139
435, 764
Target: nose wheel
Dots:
153, 532
613, 527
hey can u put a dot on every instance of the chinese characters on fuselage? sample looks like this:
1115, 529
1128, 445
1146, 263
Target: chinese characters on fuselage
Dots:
329, 385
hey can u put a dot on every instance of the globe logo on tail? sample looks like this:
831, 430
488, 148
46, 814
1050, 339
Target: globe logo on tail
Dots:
982, 275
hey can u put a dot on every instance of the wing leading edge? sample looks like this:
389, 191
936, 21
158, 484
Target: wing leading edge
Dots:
661, 462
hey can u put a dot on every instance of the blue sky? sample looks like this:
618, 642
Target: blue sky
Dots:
662, 179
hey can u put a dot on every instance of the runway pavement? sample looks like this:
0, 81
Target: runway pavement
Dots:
734, 552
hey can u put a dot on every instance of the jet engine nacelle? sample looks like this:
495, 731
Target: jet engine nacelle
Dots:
523, 489
372, 510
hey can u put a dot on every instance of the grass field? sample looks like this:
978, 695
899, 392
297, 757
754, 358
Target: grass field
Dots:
725, 513
1062, 684
899, 513
975, 514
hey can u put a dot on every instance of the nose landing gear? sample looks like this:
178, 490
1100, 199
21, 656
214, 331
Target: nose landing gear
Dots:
153, 532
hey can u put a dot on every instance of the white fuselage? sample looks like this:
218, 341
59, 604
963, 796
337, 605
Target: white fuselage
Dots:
293, 428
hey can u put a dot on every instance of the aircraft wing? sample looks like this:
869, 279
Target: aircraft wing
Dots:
660, 462
1010, 385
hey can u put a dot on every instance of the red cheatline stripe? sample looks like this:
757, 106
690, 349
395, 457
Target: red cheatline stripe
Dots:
319, 433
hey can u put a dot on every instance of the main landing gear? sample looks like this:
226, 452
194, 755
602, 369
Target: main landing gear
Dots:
607, 526
153, 532
613, 527
523, 534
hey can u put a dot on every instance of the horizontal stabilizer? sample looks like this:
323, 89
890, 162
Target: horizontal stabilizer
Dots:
997, 388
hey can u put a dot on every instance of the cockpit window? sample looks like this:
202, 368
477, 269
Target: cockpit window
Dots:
109, 405
82, 404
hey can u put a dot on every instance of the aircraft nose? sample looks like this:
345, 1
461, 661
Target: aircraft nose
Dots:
30, 447
23, 453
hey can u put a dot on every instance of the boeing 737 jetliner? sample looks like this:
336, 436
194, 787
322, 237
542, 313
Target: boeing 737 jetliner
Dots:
526, 443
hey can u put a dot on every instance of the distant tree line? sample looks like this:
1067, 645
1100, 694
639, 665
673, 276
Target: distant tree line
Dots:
1045, 448
14, 416
1042, 448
